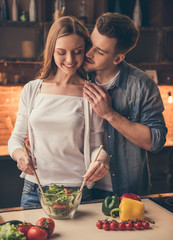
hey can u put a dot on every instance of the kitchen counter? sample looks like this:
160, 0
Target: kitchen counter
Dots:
83, 226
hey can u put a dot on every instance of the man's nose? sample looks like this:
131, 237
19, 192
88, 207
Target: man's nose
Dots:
90, 52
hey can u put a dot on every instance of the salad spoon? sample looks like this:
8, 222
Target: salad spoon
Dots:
79, 195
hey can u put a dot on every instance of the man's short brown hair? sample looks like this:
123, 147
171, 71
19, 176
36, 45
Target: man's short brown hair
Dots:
121, 27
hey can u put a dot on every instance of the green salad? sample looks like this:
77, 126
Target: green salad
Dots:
9, 232
60, 200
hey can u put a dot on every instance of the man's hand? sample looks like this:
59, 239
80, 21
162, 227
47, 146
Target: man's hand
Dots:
99, 99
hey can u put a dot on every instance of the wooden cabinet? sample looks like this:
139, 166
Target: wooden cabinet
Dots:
154, 49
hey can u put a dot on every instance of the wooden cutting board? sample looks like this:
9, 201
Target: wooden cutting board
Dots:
83, 226
1, 220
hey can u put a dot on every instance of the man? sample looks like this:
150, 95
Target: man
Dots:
130, 103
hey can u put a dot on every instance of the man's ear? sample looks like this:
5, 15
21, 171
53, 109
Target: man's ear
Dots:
119, 58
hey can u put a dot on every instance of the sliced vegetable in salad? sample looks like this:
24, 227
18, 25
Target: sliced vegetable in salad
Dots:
10, 232
60, 200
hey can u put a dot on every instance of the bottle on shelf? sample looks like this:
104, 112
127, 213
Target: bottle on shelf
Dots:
137, 14
3, 12
83, 16
32, 11
59, 9
14, 11
117, 8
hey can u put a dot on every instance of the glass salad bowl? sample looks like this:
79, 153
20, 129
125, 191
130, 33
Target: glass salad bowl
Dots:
58, 201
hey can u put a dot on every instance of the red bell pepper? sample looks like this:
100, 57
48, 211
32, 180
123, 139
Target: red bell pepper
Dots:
130, 195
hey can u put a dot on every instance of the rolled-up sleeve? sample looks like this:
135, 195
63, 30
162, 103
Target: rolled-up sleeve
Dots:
152, 115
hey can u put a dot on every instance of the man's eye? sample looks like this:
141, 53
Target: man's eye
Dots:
99, 52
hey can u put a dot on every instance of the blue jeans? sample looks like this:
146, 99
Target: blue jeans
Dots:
30, 196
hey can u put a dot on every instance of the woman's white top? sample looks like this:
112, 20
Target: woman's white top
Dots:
57, 122
56, 127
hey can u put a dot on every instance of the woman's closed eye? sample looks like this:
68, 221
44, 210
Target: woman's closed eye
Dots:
78, 51
61, 52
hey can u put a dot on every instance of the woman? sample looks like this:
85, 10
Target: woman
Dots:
51, 112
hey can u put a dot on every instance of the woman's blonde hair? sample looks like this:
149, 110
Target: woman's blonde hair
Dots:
61, 27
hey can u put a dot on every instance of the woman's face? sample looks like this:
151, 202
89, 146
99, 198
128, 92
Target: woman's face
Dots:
69, 53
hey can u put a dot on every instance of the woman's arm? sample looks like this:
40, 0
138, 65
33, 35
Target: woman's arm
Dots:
19, 135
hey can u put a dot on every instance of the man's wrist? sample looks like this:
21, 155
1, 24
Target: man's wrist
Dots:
109, 117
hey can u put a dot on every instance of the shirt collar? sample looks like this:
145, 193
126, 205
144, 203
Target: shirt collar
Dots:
122, 75
109, 84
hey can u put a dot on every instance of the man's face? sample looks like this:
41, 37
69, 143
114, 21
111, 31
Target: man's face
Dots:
101, 56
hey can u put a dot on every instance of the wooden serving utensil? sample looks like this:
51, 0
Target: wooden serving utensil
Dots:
78, 197
35, 174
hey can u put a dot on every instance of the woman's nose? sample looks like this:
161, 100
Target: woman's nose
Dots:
69, 57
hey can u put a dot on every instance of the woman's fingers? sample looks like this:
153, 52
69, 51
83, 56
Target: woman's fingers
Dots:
34, 162
24, 165
98, 171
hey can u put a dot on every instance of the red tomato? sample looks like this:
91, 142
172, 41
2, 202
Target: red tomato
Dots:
60, 206
145, 224
48, 224
24, 228
130, 195
137, 225
121, 226
128, 225
113, 225
132, 222
105, 225
99, 224
37, 233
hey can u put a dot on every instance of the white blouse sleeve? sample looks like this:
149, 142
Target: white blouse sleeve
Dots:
20, 131
96, 134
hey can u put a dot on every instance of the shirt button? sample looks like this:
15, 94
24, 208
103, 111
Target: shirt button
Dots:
113, 174
110, 155
109, 136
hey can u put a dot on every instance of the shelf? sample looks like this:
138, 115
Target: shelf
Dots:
19, 24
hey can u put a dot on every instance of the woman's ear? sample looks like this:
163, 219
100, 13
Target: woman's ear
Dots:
119, 58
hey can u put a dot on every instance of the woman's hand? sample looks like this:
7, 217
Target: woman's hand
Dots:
23, 163
98, 169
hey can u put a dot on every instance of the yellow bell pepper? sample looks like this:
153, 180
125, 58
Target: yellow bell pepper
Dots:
129, 209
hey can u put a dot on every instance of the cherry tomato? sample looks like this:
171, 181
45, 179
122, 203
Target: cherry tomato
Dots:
99, 224
37, 233
113, 225
128, 225
121, 226
145, 224
132, 222
24, 228
138, 225
105, 225
48, 224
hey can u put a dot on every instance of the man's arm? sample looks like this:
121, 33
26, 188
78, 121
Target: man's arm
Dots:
100, 101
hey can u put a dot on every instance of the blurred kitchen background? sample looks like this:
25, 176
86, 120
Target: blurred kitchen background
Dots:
24, 25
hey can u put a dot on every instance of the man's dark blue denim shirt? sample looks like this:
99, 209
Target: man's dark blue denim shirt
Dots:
136, 97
